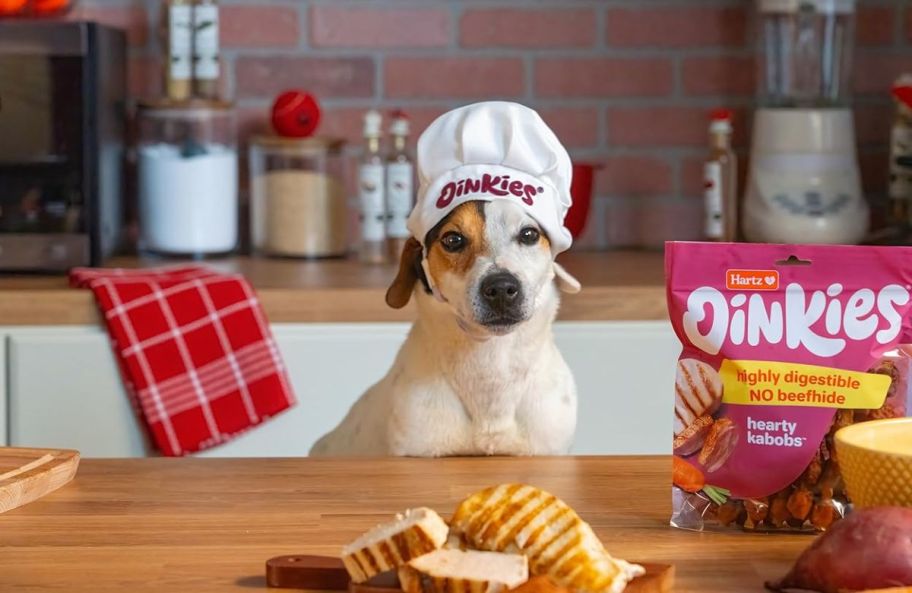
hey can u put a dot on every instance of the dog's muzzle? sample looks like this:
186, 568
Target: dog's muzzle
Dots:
501, 300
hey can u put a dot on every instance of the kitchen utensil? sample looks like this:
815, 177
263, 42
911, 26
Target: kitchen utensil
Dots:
28, 474
876, 462
62, 137
307, 572
803, 183
188, 177
581, 193
314, 573
298, 202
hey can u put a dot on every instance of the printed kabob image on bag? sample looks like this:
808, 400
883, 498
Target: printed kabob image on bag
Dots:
782, 346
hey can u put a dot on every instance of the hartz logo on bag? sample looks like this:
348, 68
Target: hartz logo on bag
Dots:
752, 279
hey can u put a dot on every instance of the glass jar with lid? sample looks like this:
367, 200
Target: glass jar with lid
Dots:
298, 197
187, 177
807, 52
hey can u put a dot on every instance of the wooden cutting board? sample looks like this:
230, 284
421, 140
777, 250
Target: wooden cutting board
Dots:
323, 574
659, 578
28, 474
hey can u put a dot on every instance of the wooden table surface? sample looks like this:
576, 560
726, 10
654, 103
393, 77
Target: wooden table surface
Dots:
207, 525
616, 285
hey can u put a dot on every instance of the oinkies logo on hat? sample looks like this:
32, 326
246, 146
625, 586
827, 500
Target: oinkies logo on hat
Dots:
497, 185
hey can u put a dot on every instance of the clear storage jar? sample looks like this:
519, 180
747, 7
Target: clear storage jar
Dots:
187, 170
298, 197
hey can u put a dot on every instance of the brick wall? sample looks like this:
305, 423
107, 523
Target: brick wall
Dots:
624, 83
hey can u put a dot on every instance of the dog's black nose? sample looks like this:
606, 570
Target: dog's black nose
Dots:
500, 290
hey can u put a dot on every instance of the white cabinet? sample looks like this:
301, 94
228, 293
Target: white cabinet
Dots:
64, 389
624, 375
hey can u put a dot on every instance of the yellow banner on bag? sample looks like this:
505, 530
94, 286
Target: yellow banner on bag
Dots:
766, 383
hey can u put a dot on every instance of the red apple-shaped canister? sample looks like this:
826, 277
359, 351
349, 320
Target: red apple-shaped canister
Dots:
295, 114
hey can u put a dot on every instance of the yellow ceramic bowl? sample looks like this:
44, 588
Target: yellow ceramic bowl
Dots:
876, 462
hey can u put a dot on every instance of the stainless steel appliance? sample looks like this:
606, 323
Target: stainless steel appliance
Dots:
62, 136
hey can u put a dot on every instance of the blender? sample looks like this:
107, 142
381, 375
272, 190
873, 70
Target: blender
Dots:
803, 184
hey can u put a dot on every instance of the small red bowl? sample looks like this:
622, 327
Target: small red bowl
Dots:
581, 192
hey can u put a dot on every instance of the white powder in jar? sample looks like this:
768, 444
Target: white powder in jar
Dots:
188, 204
299, 213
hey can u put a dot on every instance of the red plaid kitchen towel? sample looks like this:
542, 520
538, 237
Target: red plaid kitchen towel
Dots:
195, 351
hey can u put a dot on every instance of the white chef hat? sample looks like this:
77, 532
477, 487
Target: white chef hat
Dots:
488, 151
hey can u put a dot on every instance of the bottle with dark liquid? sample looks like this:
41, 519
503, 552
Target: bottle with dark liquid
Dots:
720, 181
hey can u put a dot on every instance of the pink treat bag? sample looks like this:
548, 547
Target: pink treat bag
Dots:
782, 345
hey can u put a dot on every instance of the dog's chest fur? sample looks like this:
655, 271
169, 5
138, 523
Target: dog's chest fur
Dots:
508, 395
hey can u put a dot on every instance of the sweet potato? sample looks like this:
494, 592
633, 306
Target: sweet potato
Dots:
869, 549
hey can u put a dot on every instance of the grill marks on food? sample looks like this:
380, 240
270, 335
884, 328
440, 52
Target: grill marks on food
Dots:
557, 542
698, 391
391, 545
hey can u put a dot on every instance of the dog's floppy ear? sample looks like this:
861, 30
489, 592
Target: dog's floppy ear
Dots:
400, 291
565, 281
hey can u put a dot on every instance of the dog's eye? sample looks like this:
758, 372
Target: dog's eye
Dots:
529, 236
453, 241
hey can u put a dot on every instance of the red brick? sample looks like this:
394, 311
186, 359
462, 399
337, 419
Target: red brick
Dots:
667, 126
507, 27
133, 19
692, 177
603, 77
677, 27
873, 123
634, 176
620, 219
575, 127
874, 25
249, 25
663, 220
719, 76
267, 76
333, 26
144, 77
875, 72
453, 77
348, 122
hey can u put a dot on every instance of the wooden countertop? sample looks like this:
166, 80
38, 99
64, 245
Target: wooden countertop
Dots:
200, 525
616, 286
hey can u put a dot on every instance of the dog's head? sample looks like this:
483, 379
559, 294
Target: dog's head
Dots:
490, 261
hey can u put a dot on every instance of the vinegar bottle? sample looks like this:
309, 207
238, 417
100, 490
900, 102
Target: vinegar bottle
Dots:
178, 31
400, 185
205, 49
370, 193
720, 181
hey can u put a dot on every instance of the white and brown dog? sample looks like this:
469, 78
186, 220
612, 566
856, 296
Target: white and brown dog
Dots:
479, 373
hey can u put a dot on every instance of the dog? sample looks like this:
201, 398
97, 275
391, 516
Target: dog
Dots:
479, 373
